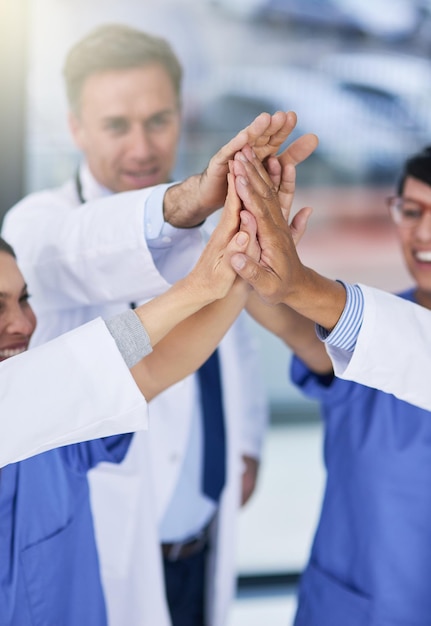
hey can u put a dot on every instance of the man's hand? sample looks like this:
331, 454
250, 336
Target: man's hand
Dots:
279, 276
191, 202
213, 274
260, 193
249, 478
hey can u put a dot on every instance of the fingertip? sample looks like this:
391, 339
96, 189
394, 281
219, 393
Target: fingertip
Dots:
238, 261
291, 115
241, 180
241, 239
239, 156
244, 217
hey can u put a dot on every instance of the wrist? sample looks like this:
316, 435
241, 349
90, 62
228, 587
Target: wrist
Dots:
318, 298
181, 204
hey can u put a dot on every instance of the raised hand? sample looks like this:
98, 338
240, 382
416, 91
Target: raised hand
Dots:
234, 233
259, 192
279, 276
190, 202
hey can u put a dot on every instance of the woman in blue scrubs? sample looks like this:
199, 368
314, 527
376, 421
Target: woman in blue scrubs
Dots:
49, 569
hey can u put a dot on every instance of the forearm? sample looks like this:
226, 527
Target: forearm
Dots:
162, 314
295, 330
315, 297
183, 207
183, 350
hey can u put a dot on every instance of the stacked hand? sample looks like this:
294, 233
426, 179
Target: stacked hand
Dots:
213, 275
278, 276
267, 197
190, 202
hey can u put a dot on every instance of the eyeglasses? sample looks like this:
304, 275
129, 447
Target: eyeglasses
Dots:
405, 212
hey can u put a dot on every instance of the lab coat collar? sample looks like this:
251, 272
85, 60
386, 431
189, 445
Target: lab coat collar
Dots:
91, 189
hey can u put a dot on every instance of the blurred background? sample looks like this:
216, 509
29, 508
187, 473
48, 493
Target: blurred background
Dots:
358, 75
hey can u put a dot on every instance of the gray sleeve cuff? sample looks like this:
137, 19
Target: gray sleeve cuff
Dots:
130, 336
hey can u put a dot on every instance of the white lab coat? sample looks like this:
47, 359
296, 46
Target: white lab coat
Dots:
74, 388
66, 256
393, 350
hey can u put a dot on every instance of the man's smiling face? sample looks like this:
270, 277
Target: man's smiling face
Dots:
128, 127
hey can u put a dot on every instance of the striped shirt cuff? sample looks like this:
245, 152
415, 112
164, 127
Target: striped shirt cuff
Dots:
130, 336
345, 333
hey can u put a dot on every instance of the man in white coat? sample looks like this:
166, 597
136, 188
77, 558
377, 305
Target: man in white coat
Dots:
159, 537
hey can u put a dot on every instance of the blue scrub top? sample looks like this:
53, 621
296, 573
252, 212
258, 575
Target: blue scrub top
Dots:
370, 563
49, 568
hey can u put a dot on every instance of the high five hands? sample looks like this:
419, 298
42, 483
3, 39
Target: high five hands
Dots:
267, 195
279, 276
192, 201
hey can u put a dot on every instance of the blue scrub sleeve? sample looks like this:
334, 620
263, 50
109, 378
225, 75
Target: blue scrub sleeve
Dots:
82, 457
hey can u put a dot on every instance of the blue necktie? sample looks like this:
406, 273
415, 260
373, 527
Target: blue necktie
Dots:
214, 440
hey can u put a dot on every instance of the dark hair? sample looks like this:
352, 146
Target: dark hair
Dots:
116, 47
5, 247
417, 166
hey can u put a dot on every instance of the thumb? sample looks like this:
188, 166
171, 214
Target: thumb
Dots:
247, 268
299, 224
262, 279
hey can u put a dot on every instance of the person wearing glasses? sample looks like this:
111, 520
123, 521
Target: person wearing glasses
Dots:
370, 561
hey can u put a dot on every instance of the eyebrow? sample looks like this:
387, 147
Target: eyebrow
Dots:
5, 294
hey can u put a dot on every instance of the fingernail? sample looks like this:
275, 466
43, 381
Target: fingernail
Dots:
242, 180
238, 261
241, 157
241, 239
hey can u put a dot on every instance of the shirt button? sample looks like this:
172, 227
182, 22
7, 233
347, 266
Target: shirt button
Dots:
166, 239
174, 458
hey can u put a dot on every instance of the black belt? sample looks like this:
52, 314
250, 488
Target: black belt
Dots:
186, 549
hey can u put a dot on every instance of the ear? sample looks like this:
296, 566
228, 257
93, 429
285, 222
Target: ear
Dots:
76, 130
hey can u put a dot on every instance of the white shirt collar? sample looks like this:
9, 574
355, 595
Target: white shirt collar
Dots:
91, 188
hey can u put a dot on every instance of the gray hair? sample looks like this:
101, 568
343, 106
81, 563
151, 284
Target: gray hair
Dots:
116, 47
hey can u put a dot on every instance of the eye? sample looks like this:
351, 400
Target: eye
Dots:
117, 125
24, 299
159, 122
411, 212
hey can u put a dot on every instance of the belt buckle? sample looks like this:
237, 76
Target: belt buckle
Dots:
175, 551
194, 543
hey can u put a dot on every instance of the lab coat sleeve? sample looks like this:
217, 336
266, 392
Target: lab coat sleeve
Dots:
91, 254
74, 388
393, 349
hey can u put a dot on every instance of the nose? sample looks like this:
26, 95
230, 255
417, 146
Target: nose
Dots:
140, 144
21, 322
423, 229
